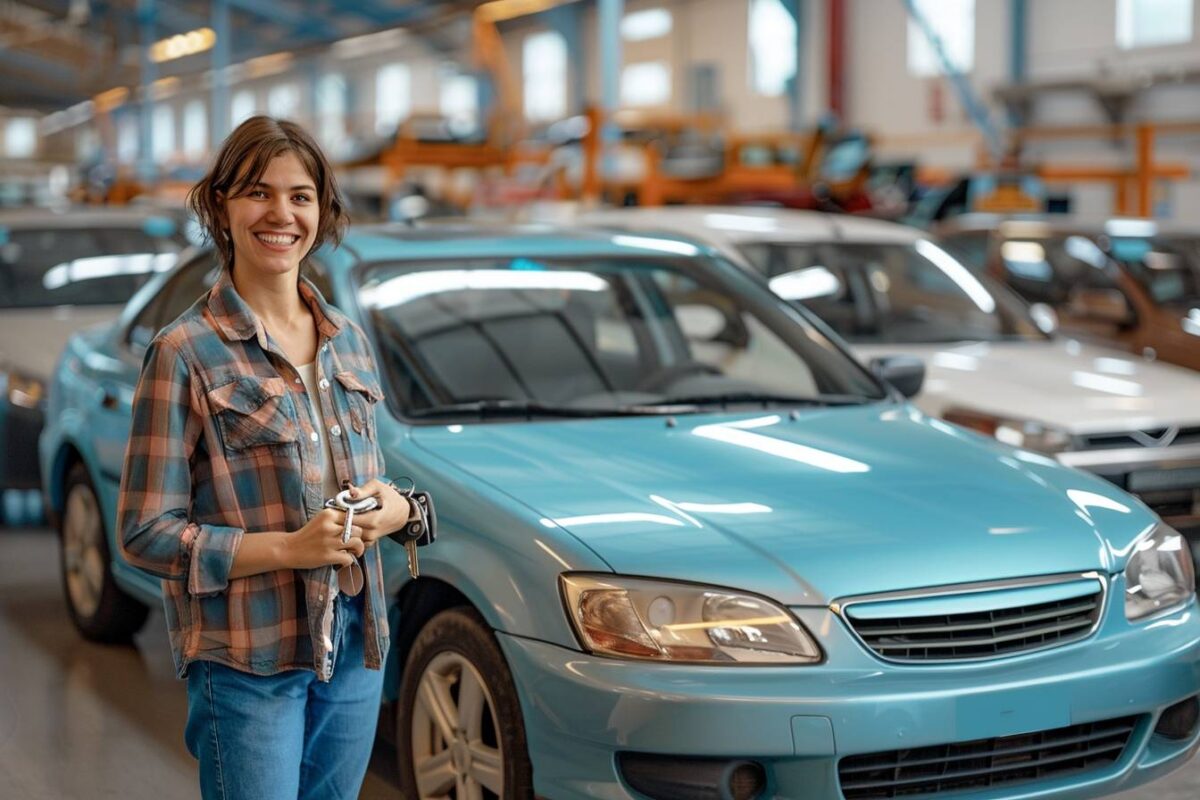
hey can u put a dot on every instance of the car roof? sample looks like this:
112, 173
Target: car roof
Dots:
736, 224
80, 217
1037, 225
391, 242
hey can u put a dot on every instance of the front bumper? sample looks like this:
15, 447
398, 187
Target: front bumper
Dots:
1167, 479
581, 710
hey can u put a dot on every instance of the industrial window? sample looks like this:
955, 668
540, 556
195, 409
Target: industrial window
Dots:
393, 97
242, 107
544, 69
1146, 23
647, 83
459, 97
773, 47
651, 23
127, 138
195, 128
283, 100
953, 21
331, 107
20, 137
162, 139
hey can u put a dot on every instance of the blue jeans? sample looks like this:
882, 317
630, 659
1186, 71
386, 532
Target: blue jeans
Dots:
286, 736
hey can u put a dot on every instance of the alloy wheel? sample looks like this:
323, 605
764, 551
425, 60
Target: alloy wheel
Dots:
456, 748
83, 556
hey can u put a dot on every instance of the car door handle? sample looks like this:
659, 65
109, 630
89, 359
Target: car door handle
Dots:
108, 397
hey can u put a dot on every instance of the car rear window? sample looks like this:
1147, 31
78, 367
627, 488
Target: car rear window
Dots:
83, 266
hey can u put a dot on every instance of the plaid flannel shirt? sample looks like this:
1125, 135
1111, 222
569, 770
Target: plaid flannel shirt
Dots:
223, 445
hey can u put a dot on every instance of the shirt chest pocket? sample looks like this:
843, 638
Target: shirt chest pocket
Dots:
362, 393
253, 412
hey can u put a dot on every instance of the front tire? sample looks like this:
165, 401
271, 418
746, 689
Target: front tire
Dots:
459, 730
100, 609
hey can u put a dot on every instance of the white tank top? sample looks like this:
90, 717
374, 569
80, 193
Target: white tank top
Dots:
329, 483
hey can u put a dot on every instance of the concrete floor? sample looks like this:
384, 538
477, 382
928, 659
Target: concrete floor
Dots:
79, 720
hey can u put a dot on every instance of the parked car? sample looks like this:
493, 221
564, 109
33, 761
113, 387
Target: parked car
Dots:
1128, 282
60, 272
992, 363
689, 546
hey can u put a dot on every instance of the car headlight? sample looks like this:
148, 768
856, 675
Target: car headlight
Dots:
663, 621
1160, 575
22, 390
1026, 434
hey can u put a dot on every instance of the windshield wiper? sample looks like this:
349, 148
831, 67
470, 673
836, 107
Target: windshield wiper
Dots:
765, 398
527, 408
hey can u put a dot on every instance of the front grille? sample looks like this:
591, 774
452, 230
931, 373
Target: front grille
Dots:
1125, 439
985, 763
980, 634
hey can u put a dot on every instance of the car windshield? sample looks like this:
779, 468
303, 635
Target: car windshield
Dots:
42, 267
595, 336
1168, 267
892, 292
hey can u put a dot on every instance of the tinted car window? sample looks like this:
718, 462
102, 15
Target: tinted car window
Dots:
85, 266
880, 293
1168, 268
592, 334
1048, 270
184, 288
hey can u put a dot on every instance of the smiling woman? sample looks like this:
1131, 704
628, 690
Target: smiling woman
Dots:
252, 406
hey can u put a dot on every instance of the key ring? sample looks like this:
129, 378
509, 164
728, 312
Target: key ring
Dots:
412, 485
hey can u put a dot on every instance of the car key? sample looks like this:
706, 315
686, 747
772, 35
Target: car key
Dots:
350, 577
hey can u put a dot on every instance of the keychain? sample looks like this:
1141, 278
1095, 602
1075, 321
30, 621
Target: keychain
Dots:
350, 577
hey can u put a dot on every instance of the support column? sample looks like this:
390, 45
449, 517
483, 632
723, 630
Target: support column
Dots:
218, 116
1018, 51
146, 167
837, 58
609, 24
798, 9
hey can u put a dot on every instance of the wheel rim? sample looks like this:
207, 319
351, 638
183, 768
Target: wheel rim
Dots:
456, 749
83, 557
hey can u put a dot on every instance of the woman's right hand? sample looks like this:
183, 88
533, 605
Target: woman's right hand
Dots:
319, 542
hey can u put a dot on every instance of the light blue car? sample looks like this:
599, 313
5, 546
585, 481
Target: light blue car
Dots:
689, 548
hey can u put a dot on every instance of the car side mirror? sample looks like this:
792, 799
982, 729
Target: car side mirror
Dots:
905, 374
1101, 305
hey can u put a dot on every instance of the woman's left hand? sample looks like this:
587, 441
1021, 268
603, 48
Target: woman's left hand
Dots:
393, 512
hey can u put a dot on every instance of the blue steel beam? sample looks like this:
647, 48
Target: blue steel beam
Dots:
1018, 53
218, 112
798, 11
966, 93
609, 19
146, 24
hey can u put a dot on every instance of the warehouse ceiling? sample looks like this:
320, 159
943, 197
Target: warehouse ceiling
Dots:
55, 53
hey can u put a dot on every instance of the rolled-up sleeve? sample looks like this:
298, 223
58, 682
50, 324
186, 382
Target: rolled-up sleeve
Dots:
155, 531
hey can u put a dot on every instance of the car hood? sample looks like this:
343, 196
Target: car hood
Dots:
835, 503
31, 339
1078, 387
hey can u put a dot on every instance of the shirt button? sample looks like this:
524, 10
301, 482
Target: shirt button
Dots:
336, 430
324, 384
325, 347
316, 437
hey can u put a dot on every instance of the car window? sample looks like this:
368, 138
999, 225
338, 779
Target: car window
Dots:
591, 334
1048, 270
1168, 268
970, 247
184, 288
83, 266
901, 293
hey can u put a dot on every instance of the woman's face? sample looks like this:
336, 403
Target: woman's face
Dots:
274, 223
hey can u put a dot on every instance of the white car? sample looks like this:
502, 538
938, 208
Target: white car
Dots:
992, 362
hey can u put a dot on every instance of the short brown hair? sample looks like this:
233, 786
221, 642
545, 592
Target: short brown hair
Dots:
239, 165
